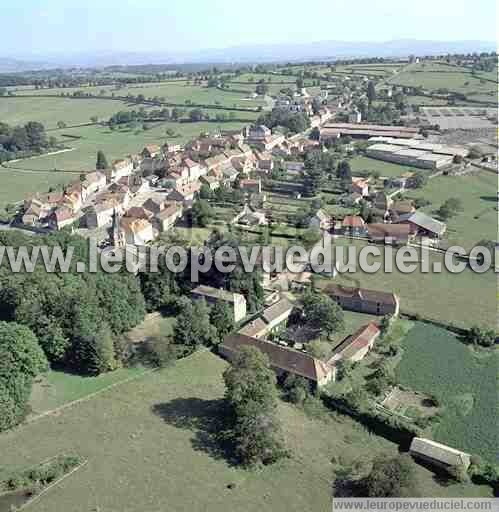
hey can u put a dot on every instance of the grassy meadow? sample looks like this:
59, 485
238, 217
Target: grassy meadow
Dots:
463, 299
49, 111
478, 218
436, 75
149, 445
386, 169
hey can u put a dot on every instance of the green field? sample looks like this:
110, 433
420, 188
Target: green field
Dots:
436, 75
434, 361
57, 388
49, 111
387, 169
16, 185
478, 219
115, 144
149, 445
463, 299
171, 92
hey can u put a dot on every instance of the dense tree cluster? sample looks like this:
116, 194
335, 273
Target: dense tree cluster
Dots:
293, 121
252, 394
76, 317
22, 141
21, 359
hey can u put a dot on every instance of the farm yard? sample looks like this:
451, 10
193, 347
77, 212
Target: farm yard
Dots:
149, 445
435, 361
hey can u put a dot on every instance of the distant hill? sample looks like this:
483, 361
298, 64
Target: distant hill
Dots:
341, 49
289, 52
14, 65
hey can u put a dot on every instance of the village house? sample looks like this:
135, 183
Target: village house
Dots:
157, 165
229, 176
154, 205
136, 231
99, 215
151, 151
194, 169
139, 212
391, 234
273, 318
48, 200
119, 169
372, 302
185, 194
353, 225
73, 200
61, 217
283, 360
264, 161
257, 134
166, 218
34, 213
175, 180
439, 455
94, 182
235, 301
356, 346
399, 208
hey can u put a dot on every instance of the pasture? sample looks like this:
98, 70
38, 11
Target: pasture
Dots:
49, 111
150, 446
478, 218
435, 361
177, 92
85, 142
386, 169
434, 76
16, 185
463, 299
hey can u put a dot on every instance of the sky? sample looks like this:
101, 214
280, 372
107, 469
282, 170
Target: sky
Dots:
41, 27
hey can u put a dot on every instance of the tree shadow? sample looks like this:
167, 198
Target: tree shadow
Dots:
206, 419
492, 199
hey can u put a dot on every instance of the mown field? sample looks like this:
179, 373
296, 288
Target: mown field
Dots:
177, 92
16, 185
436, 362
478, 218
435, 76
149, 445
387, 169
49, 111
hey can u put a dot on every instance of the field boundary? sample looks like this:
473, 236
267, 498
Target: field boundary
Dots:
53, 484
